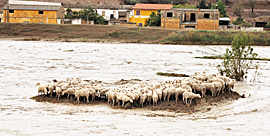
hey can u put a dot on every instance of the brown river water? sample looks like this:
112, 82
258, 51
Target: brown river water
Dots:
23, 64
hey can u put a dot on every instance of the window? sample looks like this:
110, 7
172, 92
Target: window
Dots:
138, 12
169, 14
11, 11
103, 13
206, 15
40, 12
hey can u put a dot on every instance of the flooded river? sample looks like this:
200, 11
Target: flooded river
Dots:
23, 64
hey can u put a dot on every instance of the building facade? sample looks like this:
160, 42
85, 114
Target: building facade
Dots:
33, 12
202, 19
141, 12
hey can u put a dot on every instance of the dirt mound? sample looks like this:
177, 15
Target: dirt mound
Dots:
198, 105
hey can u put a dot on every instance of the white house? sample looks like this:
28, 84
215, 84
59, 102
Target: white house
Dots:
108, 14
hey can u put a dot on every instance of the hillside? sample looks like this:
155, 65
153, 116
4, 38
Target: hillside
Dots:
262, 7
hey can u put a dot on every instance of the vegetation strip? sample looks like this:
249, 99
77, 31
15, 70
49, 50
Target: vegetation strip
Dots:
172, 74
219, 57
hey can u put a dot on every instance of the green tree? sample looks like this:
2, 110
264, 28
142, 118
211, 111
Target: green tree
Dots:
154, 20
221, 8
90, 13
69, 13
239, 59
202, 5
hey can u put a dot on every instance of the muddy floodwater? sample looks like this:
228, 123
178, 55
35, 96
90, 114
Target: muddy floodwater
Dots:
23, 64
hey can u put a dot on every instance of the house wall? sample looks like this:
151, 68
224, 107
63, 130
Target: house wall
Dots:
172, 23
200, 22
204, 24
142, 18
61, 12
20, 16
108, 13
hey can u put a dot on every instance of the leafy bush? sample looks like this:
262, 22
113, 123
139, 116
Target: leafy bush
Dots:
154, 20
267, 25
185, 6
239, 59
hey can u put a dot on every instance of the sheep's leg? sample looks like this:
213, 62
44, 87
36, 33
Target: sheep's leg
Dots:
123, 103
78, 99
190, 101
87, 97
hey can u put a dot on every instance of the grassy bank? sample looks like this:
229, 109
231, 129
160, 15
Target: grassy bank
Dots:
205, 37
120, 34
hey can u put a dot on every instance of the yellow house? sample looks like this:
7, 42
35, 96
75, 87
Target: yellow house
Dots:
141, 12
33, 12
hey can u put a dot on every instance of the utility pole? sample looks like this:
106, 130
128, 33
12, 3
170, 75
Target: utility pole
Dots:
214, 16
7, 12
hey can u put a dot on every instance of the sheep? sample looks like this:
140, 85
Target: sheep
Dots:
155, 97
187, 87
111, 96
149, 96
179, 91
189, 95
69, 91
211, 87
218, 80
199, 88
230, 84
52, 87
124, 98
81, 93
42, 89
165, 93
142, 99
93, 93
58, 92
218, 89
159, 93
171, 92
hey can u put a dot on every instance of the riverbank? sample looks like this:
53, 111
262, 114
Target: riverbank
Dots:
120, 34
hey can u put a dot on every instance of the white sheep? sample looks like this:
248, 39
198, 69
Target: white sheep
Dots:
191, 96
149, 96
171, 92
155, 97
82, 93
69, 91
58, 92
211, 87
124, 98
51, 87
165, 93
111, 96
199, 88
142, 99
179, 91
42, 89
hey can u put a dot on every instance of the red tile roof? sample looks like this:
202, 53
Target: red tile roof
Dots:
153, 6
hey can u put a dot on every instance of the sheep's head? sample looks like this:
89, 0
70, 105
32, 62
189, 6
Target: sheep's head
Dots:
37, 84
198, 95
131, 100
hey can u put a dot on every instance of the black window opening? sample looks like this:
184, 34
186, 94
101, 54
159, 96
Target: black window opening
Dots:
260, 24
192, 17
11, 11
169, 14
206, 15
40, 12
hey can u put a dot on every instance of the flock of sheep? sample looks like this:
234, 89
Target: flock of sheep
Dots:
190, 88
